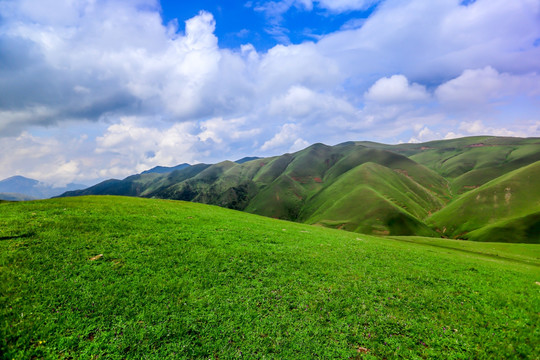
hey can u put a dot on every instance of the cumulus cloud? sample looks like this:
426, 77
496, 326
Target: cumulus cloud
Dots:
423, 135
396, 89
45, 159
433, 41
478, 128
287, 136
300, 103
131, 144
477, 87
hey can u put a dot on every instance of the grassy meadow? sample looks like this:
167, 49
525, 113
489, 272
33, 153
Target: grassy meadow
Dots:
118, 277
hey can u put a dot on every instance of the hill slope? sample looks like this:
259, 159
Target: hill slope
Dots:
117, 277
333, 185
509, 202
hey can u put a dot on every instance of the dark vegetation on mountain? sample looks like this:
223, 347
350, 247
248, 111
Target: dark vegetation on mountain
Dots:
477, 188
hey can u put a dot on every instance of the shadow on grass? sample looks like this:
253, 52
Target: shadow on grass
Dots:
13, 237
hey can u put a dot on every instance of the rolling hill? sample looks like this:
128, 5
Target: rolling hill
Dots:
119, 277
505, 208
405, 189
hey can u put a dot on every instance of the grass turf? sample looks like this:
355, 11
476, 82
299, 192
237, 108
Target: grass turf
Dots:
118, 278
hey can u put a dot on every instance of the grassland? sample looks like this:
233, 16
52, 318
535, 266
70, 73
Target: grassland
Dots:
507, 207
115, 278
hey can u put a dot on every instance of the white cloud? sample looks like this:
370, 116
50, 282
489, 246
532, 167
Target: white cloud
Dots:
396, 89
478, 128
479, 87
302, 64
219, 130
346, 5
129, 143
286, 137
43, 158
424, 134
300, 102
437, 40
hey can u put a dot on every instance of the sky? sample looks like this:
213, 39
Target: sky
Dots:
98, 89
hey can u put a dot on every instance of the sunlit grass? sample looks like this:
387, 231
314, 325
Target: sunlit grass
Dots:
123, 278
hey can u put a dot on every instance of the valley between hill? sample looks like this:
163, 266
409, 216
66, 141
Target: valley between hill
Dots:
476, 188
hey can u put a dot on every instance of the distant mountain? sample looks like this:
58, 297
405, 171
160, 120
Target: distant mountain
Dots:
165, 169
15, 197
22, 188
246, 159
477, 188
139, 185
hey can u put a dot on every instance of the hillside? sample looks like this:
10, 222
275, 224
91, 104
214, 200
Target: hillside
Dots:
507, 207
358, 186
120, 277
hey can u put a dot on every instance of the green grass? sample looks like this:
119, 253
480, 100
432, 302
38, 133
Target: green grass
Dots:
525, 253
183, 280
512, 196
392, 201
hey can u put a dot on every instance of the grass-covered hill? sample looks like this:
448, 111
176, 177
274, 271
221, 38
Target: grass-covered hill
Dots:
119, 277
361, 186
506, 208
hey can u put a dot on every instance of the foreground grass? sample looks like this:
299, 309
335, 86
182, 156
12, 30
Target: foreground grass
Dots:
134, 278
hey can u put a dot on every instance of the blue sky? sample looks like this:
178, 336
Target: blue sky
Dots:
96, 89
241, 22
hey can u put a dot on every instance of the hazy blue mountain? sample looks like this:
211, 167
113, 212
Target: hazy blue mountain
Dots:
15, 197
22, 188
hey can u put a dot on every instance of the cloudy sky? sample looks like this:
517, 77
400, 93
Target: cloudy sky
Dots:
96, 89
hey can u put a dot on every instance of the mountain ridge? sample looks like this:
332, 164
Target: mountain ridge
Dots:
377, 188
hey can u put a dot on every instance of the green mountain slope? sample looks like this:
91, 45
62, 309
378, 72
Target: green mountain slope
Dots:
391, 203
118, 277
511, 197
471, 162
333, 185
138, 185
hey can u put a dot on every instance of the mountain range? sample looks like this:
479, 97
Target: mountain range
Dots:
477, 188
17, 188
